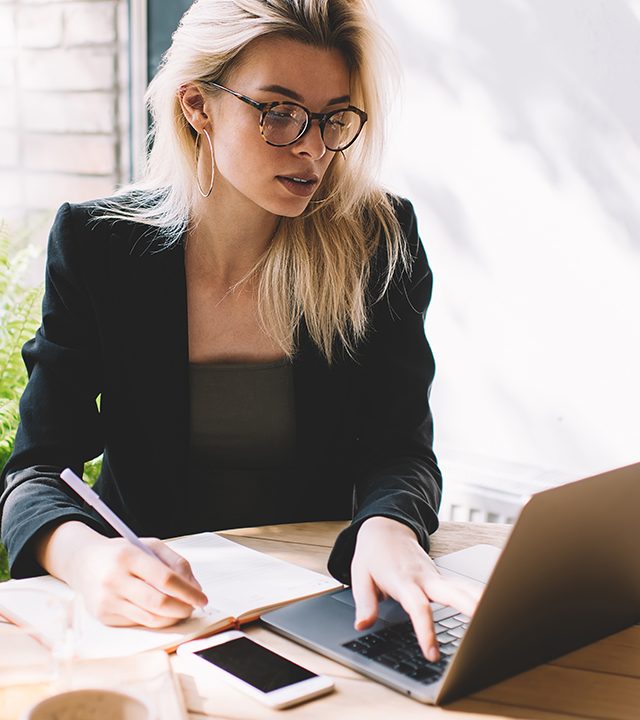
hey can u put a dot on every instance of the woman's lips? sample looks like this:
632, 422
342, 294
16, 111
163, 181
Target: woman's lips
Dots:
301, 189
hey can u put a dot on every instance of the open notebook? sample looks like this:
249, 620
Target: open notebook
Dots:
240, 583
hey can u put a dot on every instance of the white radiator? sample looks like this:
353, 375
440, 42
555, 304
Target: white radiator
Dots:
480, 489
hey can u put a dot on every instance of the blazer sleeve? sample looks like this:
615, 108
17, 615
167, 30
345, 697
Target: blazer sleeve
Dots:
59, 419
397, 475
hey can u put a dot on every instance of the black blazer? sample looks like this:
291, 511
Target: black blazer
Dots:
114, 323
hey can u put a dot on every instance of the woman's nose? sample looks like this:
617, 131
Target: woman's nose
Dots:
311, 143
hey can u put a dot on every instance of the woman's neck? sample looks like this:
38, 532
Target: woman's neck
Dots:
230, 236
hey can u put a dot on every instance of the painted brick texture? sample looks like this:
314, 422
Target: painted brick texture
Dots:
63, 103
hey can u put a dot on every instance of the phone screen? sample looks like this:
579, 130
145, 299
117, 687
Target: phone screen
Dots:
254, 664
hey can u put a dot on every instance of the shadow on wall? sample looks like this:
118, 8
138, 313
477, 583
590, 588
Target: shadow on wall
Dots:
572, 64
519, 139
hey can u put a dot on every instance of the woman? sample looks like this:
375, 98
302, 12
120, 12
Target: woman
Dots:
251, 315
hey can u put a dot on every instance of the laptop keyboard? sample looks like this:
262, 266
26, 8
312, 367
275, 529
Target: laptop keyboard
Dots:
396, 646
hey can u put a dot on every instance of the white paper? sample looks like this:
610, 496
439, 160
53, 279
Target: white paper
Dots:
236, 580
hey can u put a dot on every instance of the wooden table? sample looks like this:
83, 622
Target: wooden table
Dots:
601, 681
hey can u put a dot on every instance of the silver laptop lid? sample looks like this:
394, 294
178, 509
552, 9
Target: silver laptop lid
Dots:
569, 575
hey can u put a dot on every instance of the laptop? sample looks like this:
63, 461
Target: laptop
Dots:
568, 575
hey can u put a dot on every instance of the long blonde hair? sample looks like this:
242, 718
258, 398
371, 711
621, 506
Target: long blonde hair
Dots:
318, 264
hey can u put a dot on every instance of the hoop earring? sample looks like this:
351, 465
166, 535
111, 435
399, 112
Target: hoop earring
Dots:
204, 194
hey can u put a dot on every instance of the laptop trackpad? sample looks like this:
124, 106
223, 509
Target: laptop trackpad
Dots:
474, 563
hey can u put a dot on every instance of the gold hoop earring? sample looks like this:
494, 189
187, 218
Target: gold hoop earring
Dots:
202, 192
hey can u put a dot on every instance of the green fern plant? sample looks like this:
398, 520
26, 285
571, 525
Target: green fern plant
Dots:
19, 320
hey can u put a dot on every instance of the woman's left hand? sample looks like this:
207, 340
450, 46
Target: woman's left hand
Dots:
389, 562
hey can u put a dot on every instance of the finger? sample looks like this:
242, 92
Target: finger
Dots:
126, 613
114, 608
162, 577
449, 592
171, 558
144, 596
365, 596
416, 604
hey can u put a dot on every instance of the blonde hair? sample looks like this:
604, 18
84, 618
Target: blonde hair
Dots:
318, 264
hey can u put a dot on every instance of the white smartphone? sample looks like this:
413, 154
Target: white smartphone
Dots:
254, 669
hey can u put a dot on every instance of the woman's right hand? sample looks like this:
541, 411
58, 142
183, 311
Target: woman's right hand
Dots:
119, 583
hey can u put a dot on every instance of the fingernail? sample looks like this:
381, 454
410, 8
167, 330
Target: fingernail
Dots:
432, 654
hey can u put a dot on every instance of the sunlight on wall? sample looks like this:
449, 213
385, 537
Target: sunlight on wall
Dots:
518, 140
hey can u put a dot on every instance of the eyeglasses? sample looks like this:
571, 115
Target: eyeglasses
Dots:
284, 123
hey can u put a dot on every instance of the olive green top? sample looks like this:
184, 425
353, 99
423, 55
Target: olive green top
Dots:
242, 441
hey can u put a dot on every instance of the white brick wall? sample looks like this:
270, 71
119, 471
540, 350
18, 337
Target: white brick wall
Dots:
67, 69
7, 26
8, 111
69, 112
39, 27
50, 190
63, 104
7, 68
79, 154
9, 189
8, 149
89, 23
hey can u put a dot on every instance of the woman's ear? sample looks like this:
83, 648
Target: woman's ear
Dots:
192, 102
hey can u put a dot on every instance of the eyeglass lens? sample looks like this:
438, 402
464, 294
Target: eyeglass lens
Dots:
284, 123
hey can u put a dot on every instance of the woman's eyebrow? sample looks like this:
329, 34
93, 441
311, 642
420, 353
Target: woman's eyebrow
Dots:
297, 97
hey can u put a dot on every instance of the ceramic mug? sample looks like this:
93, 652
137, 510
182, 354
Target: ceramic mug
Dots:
90, 704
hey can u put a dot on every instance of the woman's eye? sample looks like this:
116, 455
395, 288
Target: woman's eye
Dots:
280, 115
283, 112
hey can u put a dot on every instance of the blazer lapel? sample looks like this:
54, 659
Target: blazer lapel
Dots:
159, 356
320, 402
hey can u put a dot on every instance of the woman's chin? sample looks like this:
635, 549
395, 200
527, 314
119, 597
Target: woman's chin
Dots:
289, 208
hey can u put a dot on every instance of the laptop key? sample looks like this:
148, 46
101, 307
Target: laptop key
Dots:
388, 634
448, 649
406, 668
443, 613
444, 637
450, 623
356, 646
364, 650
404, 654
371, 640
457, 632
422, 672
388, 661
426, 675
422, 662
396, 647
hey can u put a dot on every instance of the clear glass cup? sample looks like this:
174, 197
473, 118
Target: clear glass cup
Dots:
65, 613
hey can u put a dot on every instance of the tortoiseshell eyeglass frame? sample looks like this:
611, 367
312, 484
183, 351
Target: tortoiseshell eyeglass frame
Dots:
322, 118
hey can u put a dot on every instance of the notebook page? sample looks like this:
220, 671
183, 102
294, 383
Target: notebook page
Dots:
38, 604
238, 580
